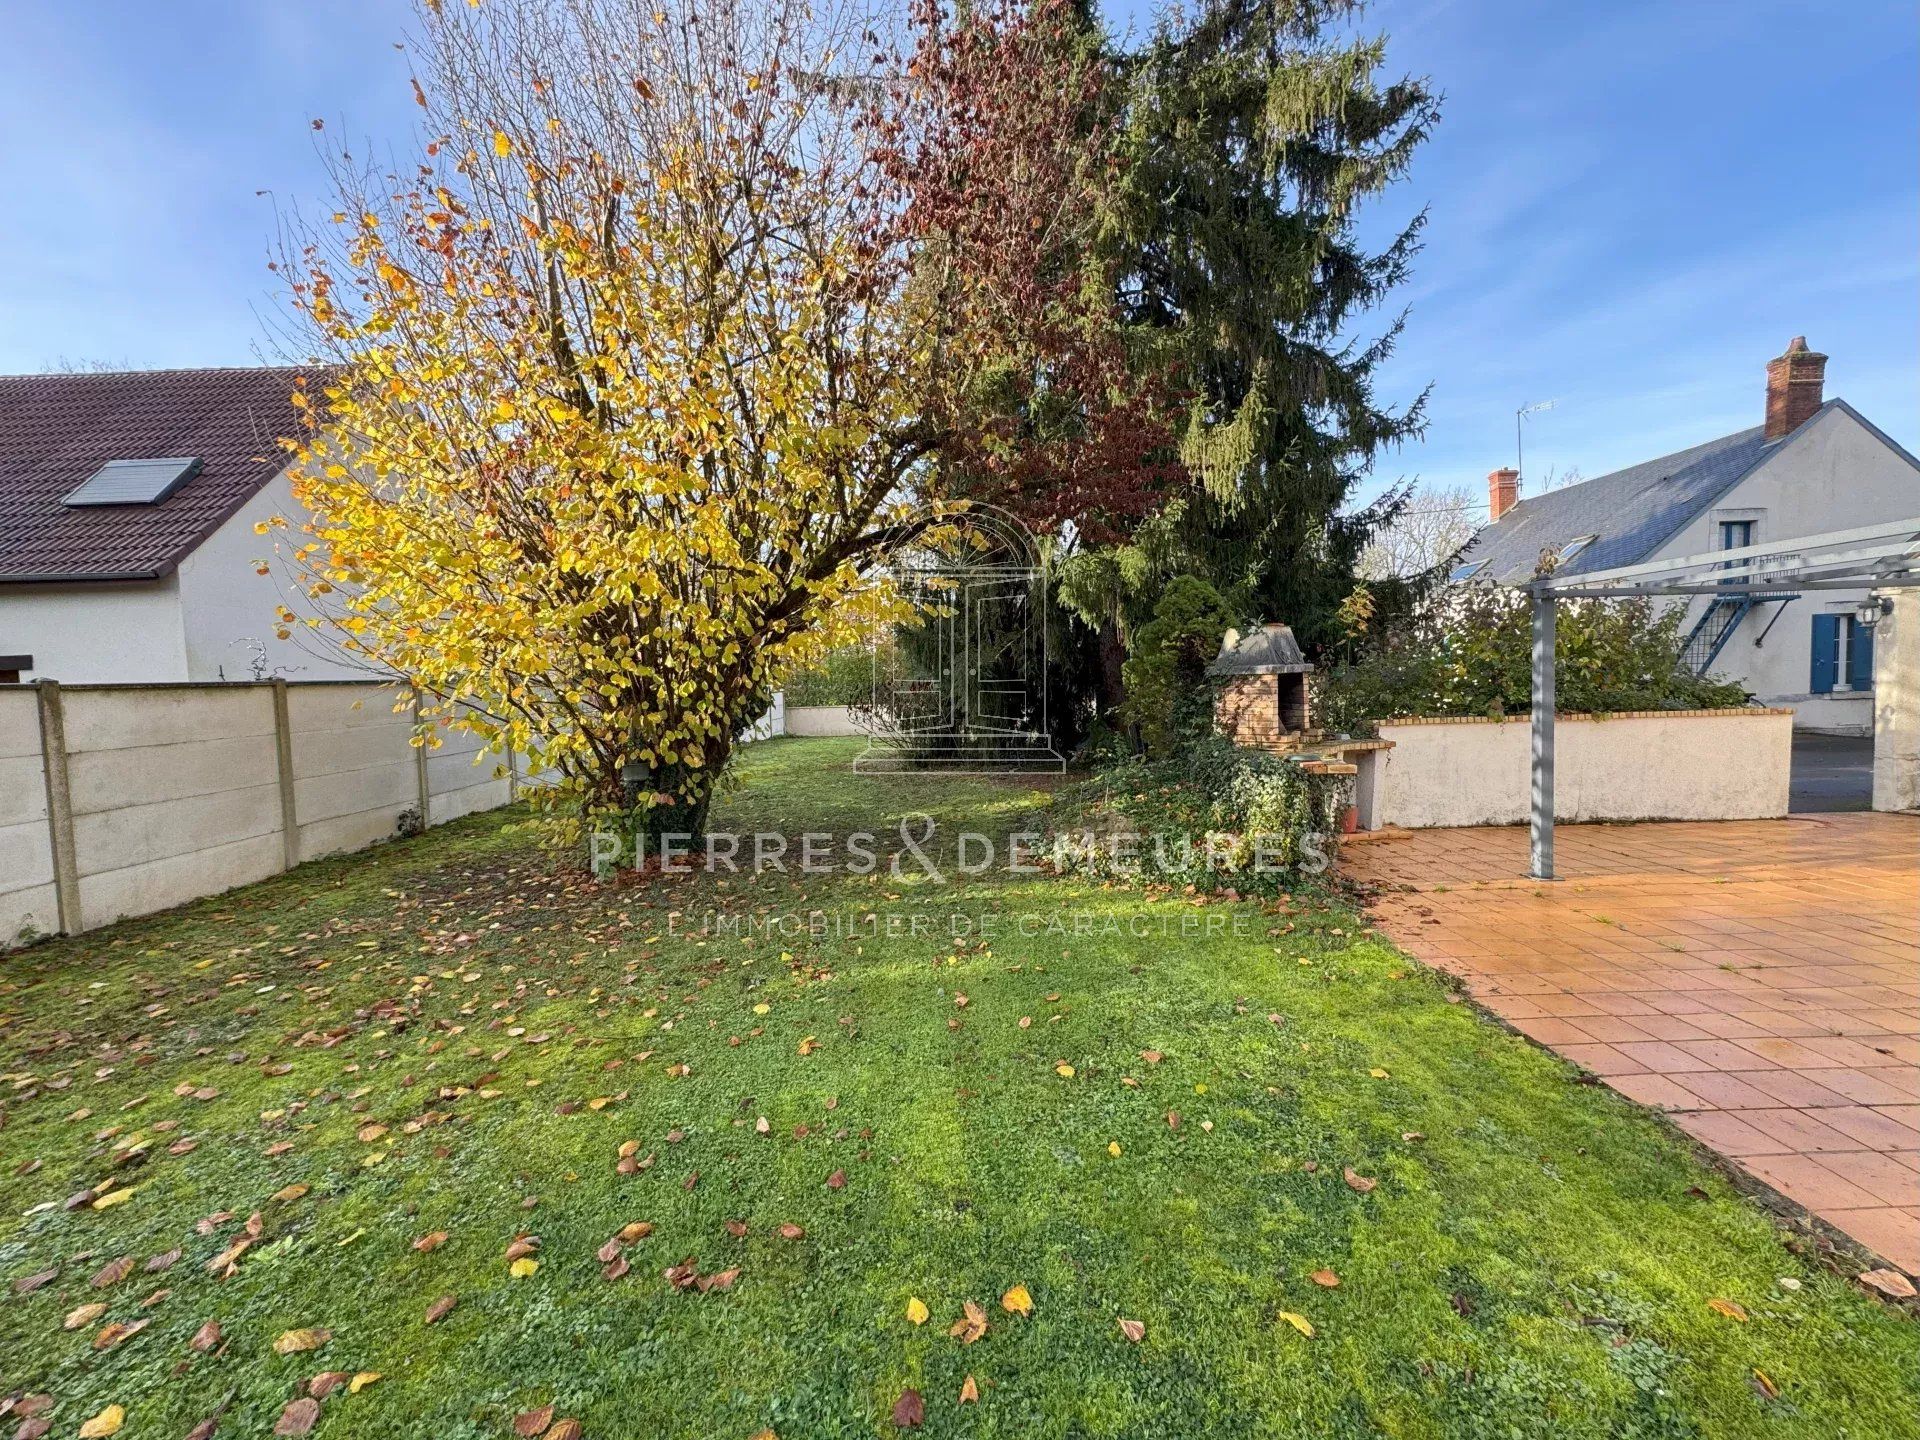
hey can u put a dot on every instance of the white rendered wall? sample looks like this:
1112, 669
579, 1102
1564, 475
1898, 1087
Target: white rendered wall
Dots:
96, 634
1835, 474
1651, 765
1896, 735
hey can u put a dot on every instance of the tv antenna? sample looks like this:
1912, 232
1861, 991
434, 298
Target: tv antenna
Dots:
1531, 408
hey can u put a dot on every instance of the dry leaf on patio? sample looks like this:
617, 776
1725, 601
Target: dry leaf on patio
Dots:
1358, 1182
1298, 1322
529, 1423
1017, 1301
969, 1391
292, 1342
1324, 1277
1134, 1330
107, 1422
299, 1417
909, 1410
916, 1310
1726, 1308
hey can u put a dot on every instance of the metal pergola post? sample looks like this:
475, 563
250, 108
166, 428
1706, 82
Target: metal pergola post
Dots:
1541, 813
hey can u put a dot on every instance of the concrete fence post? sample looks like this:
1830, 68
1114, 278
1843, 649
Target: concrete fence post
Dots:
513, 774
420, 765
53, 759
283, 756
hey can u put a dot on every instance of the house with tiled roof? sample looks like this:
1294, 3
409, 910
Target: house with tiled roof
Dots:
127, 546
1813, 465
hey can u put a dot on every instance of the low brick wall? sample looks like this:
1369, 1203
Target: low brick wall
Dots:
1642, 765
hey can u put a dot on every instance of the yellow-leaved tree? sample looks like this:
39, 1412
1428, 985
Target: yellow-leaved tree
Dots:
633, 390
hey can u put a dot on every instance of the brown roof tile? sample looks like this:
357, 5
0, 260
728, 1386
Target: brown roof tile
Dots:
56, 430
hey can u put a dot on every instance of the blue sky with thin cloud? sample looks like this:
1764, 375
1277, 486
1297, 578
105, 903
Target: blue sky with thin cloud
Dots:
1633, 205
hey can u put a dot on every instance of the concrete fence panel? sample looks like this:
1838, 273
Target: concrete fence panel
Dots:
1647, 765
120, 800
815, 720
171, 793
29, 901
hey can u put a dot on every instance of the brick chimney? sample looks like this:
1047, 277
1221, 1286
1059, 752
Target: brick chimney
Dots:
1503, 490
1796, 382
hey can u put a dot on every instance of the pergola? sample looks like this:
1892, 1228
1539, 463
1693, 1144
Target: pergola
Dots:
1873, 557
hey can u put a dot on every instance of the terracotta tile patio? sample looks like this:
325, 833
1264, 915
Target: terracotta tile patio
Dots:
1760, 980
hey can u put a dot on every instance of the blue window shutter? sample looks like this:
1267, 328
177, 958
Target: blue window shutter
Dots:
1826, 654
1860, 657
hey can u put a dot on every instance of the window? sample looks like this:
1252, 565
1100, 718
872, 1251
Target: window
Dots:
1842, 655
1574, 547
133, 482
1734, 534
1466, 572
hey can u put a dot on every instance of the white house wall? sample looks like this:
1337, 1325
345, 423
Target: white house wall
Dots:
229, 611
120, 632
1835, 474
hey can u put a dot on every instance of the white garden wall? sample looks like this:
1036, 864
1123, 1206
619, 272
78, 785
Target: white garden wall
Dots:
817, 720
1645, 765
160, 794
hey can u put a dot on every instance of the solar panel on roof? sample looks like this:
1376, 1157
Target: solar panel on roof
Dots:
133, 482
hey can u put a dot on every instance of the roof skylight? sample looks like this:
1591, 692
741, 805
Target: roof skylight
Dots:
133, 482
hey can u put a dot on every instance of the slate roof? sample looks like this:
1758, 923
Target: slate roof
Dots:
56, 430
1270, 650
1632, 512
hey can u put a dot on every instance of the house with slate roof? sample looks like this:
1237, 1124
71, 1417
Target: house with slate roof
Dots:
127, 547
1812, 465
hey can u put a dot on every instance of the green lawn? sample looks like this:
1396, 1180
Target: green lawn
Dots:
449, 1036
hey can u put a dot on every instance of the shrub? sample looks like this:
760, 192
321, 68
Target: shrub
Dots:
844, 677
1167, 697
1469, 652
1211, 815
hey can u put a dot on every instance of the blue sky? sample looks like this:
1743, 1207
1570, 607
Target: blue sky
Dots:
1634, 205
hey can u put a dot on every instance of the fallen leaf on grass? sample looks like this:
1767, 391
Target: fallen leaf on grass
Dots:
1134, 1330
1113, 1148
1726, 1308
293, 1342
837, 1180
1063, 1070
288, 1192
1764, 1384
525, 1266
1324, 1277
1299, 1322
916, 1311
299, 1417
1890, 1283
1017, 1301
27, 1284
107, 1422
1358, 1182
638, 1230
430, 1242
969, 1391
114, 1334
113, 1272
325, 1383
437, 1311
83, 1315
529, 1423
563, 1430
361, 1381
971, 1325
206, 1337
790, 1231
1152, 1057
909, 1410
113, 1198
522, 1245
